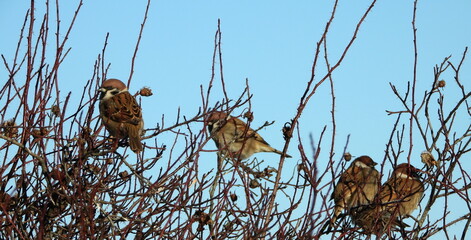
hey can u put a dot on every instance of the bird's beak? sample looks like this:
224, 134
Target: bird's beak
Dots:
102, 92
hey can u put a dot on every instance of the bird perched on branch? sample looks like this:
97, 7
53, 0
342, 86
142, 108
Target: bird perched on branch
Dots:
357, 186
234, 138
398, 197
120, 113
402, 192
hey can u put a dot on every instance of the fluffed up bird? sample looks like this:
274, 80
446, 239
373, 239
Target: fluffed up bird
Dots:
398, 197
402, 192
120, 113
234, 138
357, 186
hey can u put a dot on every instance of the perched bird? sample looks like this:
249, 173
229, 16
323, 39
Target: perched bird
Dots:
398, 197
402, 192
234, 138
120, 113
374, 219
357, 186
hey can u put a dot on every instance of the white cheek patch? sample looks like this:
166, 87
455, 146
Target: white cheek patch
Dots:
360, 164
403, 175
108, 95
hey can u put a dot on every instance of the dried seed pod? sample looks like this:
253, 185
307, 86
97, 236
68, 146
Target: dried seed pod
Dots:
229, 226
93, 168
86, 131
7, 201
39, 132
233, 197
145, 92
441, 83
55, 109
249, 116
57, 174
347, 156
254, 183
123, 174
428, 159
300, 167
202, 217
9, 129
109, 160
268, 171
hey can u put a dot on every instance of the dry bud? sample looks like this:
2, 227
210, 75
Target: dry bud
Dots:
268, 171
56, 110
57, 174
302, 167
233, 197
249, 116
441, 83
124, 174
347, 156
7, 201
202, 217
86, 131
9, 129
39, 133
229, 226
93, 168
254, 183
145, 92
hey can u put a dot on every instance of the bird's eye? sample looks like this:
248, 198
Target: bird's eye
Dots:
114, 92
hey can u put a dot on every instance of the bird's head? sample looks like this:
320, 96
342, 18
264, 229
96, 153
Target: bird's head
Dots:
111, 87
214, 118
364, 162
406, 169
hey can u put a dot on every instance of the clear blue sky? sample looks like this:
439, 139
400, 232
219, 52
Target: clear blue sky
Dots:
272, 44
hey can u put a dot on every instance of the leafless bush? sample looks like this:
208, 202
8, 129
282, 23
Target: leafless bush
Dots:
61, 180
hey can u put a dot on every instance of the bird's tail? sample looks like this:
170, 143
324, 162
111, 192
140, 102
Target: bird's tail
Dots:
135, 140
135, 144
337, 211
281, 153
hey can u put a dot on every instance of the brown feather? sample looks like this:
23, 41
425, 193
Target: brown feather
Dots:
401, 193
234, 138
122, 117
357, 186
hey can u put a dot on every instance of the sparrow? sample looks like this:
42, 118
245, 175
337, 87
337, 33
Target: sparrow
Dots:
374, 219
234, 138
357, 186
120, 113
398, 197
402, 192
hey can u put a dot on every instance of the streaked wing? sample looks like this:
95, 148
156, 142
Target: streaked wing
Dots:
345, 186
242, 132
123, 108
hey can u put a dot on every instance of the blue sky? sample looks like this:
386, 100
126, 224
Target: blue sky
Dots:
271, 43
